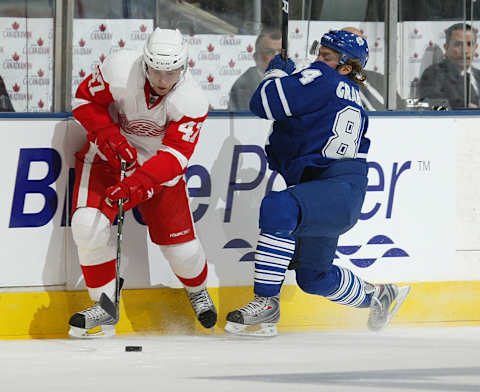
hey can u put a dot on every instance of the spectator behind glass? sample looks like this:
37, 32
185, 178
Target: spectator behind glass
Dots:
267, 45
372, 91
5, 103
454, 78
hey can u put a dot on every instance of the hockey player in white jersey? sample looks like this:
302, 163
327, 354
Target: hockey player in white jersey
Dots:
146, 109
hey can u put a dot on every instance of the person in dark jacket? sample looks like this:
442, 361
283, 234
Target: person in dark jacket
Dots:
267, 45
454, 78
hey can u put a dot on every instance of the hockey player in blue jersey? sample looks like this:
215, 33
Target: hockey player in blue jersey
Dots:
318, 145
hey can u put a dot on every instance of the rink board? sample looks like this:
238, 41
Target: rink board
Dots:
419, 224
167, 311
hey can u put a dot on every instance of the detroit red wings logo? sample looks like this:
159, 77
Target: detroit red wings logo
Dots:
141, 127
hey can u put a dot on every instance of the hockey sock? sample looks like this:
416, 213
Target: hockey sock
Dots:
100, 279
337, 284
272, 258
351, 289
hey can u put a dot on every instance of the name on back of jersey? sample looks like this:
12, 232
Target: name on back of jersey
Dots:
345, 91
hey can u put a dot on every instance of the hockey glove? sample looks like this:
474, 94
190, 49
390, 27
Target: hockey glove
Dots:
114, 146
134, 190
278, 67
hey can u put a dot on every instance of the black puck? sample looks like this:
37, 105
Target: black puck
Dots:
133, 348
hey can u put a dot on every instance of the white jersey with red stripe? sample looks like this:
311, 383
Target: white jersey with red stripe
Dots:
164, 132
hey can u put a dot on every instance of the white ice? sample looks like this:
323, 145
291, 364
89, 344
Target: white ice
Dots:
414, 359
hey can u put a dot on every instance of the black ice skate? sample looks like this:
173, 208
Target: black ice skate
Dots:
82, 322
204, 308
381, 310
257, 318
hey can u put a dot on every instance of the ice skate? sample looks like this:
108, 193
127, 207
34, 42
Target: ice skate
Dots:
257, 318
204, 308
93, 322
386, 301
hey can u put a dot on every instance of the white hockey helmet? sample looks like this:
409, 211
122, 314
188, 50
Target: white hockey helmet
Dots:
165, 50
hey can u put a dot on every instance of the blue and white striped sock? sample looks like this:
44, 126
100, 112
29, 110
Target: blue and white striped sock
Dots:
272, 258
351, 290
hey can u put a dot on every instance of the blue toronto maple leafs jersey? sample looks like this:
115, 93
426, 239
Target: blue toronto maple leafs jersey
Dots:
318, 117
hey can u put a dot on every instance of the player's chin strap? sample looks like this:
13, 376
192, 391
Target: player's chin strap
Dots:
112, 307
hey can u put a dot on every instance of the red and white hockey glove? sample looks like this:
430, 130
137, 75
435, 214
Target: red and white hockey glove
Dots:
115, 146
134, 190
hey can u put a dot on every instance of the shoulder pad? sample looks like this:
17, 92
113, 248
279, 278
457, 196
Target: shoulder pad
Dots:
187, 99
117, 67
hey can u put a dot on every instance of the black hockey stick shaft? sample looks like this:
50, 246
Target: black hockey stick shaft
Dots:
284, 29
123, 169
113, 308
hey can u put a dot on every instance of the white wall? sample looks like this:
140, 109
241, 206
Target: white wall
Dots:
425, 228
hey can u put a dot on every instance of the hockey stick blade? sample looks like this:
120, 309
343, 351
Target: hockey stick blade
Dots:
108, 305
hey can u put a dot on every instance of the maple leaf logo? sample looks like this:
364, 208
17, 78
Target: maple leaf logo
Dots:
81, 42
102, 57
191, 63
40, 104
16, 88
210, 78
297, 30
415, 55
249, 48
15, 25
81, 73
40, 73
415, 31
231, 63
15, 57
210, 48
121, 43
376, 44
102, 27
296, 55
40, 41
430, 43
143, 28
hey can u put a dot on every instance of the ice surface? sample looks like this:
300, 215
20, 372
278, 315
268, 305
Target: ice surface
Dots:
415, 359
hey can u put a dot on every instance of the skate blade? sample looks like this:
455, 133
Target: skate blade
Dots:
401, 297
104, 331
260, 330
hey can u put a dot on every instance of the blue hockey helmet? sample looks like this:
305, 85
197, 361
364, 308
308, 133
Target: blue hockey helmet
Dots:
349, 45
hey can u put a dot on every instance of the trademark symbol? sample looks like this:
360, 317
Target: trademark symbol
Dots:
423, 166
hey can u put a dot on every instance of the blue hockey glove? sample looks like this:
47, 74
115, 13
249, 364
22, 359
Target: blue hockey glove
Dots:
279, 64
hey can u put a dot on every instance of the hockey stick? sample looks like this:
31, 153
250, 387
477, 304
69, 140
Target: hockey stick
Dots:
284, 29
112, 308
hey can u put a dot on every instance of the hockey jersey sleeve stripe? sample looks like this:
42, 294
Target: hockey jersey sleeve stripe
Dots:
77, 102
182, 159
283, 98
173, 181
266, 106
